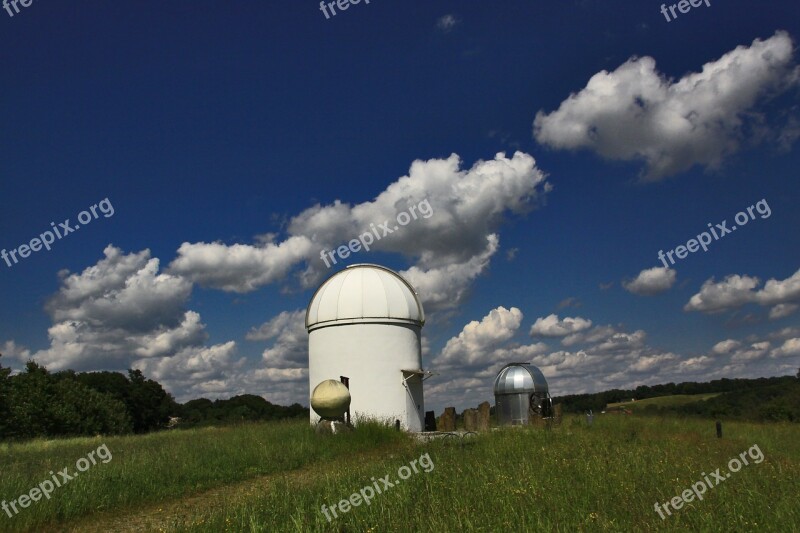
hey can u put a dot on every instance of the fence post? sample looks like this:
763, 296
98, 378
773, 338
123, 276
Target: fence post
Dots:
719, 429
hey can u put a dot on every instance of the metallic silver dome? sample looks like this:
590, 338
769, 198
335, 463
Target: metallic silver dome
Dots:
516, 378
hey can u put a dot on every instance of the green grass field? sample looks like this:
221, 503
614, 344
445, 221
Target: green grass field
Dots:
662, 401
276, 477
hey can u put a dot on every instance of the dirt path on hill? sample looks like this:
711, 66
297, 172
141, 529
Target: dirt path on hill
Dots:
164, 515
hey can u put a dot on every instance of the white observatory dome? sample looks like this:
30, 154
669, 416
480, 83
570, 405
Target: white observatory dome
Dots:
364, 293
365, 328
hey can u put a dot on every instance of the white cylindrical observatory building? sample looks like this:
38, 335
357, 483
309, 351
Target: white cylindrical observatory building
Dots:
365, 323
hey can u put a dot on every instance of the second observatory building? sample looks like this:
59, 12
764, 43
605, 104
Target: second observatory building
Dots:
364, 323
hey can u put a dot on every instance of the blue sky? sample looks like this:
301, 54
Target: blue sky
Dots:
236, 141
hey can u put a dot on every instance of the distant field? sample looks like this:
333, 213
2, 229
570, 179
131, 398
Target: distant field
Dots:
276, 476
676, 399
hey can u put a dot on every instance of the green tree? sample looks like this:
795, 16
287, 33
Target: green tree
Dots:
29, 399
80, 410
5, 411
42, 404
149, 404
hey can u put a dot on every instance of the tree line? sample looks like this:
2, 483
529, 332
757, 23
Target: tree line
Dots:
776, 398
779, 402
40, 403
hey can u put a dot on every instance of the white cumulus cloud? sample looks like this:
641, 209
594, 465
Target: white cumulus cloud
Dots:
552, 326
790, 348
486, 342
290, 345
726, 346
446, 23
782, 310
239, 267
637, 113
449, 244
735, 291
651, 281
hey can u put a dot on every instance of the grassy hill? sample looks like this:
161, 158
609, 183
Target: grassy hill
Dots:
597, 401
276, 477
662, 401
779, 403
759, 400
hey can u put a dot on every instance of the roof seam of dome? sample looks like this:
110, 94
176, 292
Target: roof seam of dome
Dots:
364, 320
339, 293
388, 311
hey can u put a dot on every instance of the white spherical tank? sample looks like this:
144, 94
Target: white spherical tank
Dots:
330, 399
365, 323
